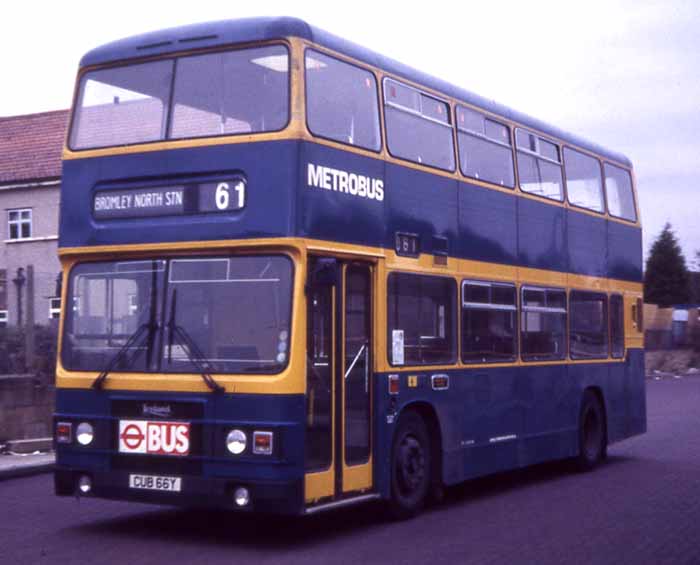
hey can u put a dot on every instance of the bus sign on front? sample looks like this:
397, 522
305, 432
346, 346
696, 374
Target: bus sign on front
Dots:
177, 200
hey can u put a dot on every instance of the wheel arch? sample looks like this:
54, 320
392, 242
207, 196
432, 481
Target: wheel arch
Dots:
598, 393
427, 411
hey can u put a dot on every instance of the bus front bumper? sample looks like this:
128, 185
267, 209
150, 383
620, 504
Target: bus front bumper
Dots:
194, 491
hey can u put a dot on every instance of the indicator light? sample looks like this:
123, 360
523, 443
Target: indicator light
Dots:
394, 384
262, 443
64, 432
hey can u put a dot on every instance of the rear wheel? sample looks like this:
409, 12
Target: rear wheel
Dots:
410, 466
592, 440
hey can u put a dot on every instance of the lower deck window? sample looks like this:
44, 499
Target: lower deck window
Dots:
488, 322
543, 324
588, 334
420, 319
617, 326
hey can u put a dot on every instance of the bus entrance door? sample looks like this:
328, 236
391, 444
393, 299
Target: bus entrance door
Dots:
338, 387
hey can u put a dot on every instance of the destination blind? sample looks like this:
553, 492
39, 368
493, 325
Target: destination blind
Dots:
175, 200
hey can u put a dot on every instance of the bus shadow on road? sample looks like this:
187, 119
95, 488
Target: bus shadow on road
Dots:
230, 528
501, 484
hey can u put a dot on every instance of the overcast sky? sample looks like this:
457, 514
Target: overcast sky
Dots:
622, 73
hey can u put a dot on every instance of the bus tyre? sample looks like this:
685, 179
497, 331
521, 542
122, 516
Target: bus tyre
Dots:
410, 467
591, 433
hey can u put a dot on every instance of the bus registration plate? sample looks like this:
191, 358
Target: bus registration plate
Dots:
153, 482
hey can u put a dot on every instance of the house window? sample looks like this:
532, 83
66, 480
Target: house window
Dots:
19, 224
3, 318
54, 308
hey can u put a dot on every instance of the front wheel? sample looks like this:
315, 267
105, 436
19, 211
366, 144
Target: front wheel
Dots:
592, 440
410, 466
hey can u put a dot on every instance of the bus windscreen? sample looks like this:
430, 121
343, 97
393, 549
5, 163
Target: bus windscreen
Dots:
212, 94
229, 314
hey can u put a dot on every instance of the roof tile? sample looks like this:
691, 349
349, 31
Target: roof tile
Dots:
30, 146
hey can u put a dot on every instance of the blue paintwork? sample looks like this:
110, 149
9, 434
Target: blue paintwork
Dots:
284, 414
586, 239
541, 235
479, 223
538, 404
624, 251
487, 225
227, 32
269, 210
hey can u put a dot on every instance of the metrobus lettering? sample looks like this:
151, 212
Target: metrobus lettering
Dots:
343, 181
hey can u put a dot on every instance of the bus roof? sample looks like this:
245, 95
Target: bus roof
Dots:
213, 34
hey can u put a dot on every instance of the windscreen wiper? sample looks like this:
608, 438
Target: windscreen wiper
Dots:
151, 326
120, 355
194, 354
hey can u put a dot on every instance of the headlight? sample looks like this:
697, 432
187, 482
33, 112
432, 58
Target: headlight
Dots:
84, 433
236, 441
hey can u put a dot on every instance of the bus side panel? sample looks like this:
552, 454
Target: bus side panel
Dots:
616, 401
541, 235
327, 207
552, 396
587, 244
494, 404
624, 251
267, 166
497, 418
487, 225
421, 203
636, 393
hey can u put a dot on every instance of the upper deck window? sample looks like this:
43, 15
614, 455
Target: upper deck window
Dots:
226, 93
584, 184
539, 165
230, 92
418, 126
122, 105
618, 186
341, 101
484, 148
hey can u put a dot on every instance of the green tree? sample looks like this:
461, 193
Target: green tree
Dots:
666, 279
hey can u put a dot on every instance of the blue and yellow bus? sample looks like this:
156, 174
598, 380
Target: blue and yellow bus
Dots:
299, 275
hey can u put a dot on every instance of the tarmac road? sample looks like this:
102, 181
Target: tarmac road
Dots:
642, 506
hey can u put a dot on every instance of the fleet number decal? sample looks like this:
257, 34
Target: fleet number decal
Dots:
155, 438
343, 181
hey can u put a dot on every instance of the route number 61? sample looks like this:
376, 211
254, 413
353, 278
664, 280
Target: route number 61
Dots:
222, 196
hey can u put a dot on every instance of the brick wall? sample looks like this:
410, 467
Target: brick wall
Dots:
26, 407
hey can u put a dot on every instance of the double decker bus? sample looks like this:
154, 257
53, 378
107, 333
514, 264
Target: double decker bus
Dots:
299, 275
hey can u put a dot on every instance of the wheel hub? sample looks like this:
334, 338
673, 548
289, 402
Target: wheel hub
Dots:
592, 434
411, 465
